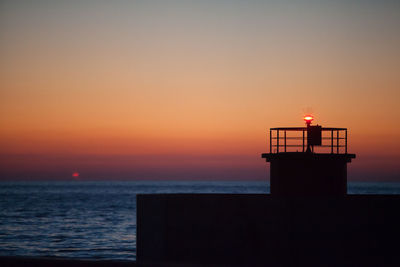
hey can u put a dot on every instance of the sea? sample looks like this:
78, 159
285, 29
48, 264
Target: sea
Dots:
97, 220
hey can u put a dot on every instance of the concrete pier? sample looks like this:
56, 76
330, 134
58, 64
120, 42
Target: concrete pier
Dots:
248, 230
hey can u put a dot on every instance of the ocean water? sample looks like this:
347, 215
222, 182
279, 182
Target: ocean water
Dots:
97, 220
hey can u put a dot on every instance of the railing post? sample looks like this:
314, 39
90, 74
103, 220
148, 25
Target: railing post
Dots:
277, 141
346, 141
270, 141
285, 139
303, 140
331, 141
337, 141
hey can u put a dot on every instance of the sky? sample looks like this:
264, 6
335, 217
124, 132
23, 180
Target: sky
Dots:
172, 90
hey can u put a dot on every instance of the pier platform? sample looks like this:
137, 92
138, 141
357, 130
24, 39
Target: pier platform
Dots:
253, 230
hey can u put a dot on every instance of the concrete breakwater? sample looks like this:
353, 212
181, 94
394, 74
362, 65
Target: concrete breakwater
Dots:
238, 229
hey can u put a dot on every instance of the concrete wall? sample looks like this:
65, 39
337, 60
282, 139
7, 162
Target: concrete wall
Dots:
258, 229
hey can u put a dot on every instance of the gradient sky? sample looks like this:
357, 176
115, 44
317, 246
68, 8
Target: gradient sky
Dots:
187, 89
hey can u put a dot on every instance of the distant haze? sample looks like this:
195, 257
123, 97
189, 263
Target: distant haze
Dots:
187, 89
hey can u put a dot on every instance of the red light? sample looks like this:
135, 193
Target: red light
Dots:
75, 174
308, 118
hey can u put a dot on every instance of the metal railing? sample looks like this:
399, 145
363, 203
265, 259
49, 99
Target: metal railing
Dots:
335, 140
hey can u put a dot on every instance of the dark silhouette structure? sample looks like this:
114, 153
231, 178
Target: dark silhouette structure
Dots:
308, 173
308, 220
260, 230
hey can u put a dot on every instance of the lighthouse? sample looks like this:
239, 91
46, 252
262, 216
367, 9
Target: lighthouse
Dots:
307, 219
308, 161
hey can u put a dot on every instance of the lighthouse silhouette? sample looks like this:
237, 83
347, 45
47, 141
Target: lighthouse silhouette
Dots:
308, 219
308, 161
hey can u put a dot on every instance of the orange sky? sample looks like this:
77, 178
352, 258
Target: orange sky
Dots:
184, 90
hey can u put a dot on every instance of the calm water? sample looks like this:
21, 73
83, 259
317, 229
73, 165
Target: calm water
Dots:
98, 219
